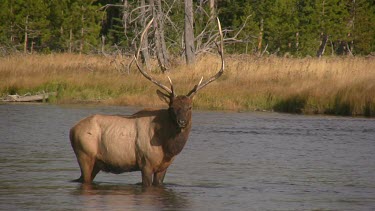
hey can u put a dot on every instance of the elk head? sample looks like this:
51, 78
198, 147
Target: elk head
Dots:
180, 106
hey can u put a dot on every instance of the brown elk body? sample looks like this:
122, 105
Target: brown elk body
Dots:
146, 141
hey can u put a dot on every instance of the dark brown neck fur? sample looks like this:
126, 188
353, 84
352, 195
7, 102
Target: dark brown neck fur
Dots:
173, 138
176, 142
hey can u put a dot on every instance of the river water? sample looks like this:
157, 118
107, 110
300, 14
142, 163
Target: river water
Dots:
232, 161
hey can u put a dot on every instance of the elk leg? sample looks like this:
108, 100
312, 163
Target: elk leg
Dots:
86, 164
95, 171
146, 177
159, 178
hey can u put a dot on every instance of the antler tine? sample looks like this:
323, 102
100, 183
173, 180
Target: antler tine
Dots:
144, 72
200, 85
170, 82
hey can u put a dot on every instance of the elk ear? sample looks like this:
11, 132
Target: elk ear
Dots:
164, 97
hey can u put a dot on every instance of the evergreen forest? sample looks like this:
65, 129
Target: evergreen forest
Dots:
297, 28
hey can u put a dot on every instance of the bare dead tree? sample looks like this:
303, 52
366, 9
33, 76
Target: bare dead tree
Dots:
144, 47
212, 9
260, 37
160, 45
154, 43
189, 33
205, 40
125, 15
322, 46
26, 34
129, 20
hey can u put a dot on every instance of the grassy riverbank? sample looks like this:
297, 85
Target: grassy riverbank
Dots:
339, 86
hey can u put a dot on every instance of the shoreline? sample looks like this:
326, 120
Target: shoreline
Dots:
140, 107
329, 86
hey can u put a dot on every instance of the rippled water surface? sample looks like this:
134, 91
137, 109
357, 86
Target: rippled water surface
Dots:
232, 161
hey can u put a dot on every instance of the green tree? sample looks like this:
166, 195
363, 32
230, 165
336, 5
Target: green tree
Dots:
333, 17
31, 16
250, 30
82, 26
241, 20
362, 26
281, 26
295, 27
116, 32
24, 23
7, 24
308, 29
57, 15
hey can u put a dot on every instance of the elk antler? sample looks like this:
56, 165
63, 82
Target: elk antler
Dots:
200, 85
170, 91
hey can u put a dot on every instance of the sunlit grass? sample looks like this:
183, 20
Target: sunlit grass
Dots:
340, 86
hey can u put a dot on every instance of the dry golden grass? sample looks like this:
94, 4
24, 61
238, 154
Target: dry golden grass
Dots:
341, 86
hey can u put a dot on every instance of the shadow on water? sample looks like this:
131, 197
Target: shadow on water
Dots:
130, 196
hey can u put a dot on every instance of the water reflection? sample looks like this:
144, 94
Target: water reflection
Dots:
130, 197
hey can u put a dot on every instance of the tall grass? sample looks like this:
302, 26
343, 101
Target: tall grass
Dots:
339, 86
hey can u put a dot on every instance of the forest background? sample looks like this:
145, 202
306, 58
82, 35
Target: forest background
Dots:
279, 27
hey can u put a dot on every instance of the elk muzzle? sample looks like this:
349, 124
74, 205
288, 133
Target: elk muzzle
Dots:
181, 123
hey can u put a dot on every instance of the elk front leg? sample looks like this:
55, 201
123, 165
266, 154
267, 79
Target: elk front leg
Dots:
146, 177
159, 178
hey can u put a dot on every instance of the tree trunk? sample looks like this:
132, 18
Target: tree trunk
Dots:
322, 46
11, 33
26, 34
70, 40
103, 44
297, 41
260, 37
82, 31
11, 26
162, 39
32, 47
189, 33
144, 47
353, 13
125, 15
161, 52
212, 9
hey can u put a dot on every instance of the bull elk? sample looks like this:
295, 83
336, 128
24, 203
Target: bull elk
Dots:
146, 141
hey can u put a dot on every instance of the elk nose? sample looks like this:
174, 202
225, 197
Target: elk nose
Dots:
182, 122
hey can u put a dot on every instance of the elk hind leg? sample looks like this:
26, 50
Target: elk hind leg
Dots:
88, 168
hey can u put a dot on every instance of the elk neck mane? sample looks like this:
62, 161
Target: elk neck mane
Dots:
176, 142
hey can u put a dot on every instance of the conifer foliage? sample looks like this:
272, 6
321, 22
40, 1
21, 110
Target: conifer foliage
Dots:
278, 27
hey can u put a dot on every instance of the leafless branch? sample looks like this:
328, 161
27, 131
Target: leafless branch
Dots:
105, 7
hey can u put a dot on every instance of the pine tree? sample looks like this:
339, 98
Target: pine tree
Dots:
57, 15
83, 24
250, 33
308, 29
333, 18
233, 15
32, 17
25, 24
8, 34
281, 26
362, 27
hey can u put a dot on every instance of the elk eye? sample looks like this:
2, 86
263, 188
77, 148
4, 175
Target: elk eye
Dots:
190, 107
